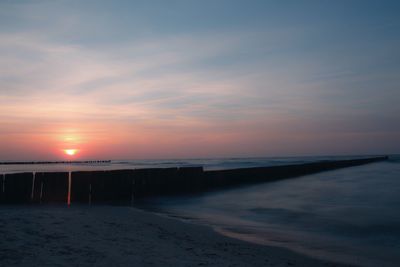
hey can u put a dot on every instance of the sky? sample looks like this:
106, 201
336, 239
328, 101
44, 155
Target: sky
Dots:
195, 79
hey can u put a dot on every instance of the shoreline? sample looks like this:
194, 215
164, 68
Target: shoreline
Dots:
238, 235
122, 236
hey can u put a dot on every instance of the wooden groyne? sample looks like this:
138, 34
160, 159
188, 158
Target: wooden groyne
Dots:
126, 186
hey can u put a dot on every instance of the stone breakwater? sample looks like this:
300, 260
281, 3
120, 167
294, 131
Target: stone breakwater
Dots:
126, 186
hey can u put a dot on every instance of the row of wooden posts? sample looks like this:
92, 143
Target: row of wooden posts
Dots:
125, 186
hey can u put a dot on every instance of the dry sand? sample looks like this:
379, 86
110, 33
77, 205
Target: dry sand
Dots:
124, 236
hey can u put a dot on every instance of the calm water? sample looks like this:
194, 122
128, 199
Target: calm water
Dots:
350, 215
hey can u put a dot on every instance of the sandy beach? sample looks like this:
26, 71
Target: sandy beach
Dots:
124, 236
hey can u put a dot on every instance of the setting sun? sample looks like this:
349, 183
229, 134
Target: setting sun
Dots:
70, 152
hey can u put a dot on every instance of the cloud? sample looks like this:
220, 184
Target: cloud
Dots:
147, 75
257, 86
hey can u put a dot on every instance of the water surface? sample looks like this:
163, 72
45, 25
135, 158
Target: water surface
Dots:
349, 215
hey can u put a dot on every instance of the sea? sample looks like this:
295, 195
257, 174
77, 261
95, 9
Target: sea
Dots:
349, 215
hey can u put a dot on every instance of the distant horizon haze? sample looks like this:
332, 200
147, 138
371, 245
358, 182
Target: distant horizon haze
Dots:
80, 159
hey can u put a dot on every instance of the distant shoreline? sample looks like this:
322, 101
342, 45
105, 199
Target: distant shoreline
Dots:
52, 162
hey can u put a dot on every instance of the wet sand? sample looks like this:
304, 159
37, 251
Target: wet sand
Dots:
124, 236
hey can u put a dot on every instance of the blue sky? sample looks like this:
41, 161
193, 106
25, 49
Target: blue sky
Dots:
199, 78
